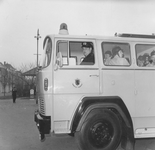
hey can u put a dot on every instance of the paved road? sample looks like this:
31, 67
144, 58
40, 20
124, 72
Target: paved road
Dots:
18, 130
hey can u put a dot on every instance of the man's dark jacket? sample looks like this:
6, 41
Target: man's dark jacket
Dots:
88, 60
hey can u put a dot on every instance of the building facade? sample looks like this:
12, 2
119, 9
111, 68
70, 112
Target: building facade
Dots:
7, 79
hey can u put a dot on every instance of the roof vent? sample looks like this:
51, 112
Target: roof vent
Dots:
63, 29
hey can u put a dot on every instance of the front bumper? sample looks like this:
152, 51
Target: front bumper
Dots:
43, 123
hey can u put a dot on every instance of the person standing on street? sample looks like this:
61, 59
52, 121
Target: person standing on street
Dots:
14, 93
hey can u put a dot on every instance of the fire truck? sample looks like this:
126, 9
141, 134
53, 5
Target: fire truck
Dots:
106, 101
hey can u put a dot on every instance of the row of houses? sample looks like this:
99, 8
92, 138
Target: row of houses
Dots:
10, 77
7, 78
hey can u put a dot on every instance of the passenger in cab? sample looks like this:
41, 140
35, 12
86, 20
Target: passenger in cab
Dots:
146, 59
152, 60
118, 57
140, 61
107, 56
88, 54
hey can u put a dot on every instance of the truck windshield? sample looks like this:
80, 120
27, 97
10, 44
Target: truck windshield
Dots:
46, 59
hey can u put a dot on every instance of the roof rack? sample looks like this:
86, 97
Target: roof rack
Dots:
135, 35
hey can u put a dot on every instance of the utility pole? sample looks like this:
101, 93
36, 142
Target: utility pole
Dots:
37, 37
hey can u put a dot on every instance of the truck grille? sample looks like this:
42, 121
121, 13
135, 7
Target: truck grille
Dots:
41, 106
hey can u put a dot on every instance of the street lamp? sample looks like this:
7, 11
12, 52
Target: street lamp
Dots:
37, 37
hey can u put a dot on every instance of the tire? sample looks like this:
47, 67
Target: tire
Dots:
102, 131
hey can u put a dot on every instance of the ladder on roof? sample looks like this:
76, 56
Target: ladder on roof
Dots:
128, 35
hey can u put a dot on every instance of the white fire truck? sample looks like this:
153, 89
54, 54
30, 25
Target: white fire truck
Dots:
105, 103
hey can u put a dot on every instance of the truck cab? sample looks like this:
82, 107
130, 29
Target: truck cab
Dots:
97, 88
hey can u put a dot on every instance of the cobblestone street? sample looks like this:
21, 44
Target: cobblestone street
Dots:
18, 130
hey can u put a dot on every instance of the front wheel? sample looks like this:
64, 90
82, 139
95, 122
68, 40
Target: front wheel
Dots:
102, 131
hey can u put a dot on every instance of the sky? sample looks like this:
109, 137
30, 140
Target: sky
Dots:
20, 20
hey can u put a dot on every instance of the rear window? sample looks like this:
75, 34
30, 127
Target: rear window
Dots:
145, 55
116, 54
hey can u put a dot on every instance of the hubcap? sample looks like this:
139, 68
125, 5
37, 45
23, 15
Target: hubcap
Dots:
101, 134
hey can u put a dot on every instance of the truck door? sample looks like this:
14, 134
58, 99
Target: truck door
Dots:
74, 78
145, 90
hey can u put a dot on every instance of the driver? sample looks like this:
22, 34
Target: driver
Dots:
87, 48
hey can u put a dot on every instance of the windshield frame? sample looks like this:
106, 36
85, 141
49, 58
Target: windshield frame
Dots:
47, 52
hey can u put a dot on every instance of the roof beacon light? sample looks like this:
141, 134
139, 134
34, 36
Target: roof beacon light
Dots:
63, 29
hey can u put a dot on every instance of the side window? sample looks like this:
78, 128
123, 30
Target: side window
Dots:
81, 53
76, 53
145, 54
47, 52
116, 54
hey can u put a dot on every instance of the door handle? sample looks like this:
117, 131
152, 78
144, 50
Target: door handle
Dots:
93, 75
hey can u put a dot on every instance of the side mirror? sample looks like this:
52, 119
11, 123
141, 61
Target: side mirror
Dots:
59, 60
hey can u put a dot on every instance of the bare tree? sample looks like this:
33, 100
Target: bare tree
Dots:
30, 79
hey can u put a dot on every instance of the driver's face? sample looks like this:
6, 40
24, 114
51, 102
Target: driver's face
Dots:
86, 51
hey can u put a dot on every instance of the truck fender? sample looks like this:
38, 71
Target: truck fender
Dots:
96, 103
90, 105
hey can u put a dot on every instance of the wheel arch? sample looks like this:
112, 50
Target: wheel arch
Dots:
89, 104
